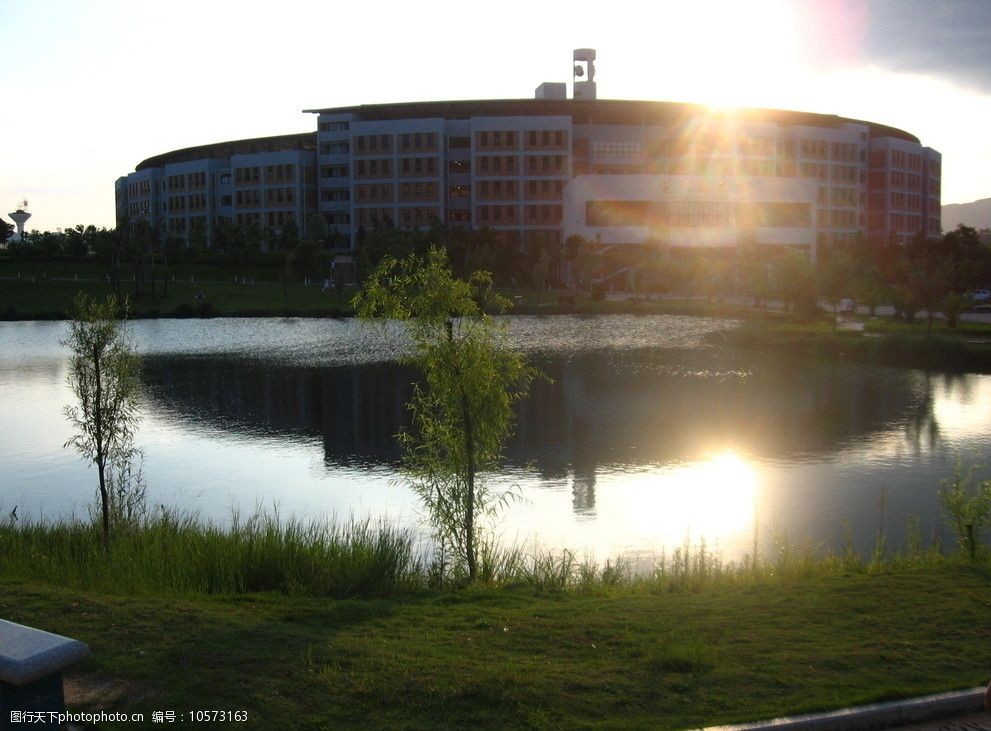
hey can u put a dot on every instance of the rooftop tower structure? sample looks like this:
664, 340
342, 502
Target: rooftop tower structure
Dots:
584, 73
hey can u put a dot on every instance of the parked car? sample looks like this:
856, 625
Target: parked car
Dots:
980, 295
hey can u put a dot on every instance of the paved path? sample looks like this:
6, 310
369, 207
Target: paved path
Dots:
973, 722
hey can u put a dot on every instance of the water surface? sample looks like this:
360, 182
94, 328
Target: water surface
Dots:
644, 437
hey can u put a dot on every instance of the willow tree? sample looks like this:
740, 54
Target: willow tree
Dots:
103, 377
462, 412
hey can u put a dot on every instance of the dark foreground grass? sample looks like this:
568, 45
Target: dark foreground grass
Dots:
309, 626
504, 658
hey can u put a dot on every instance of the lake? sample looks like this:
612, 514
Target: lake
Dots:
646, 435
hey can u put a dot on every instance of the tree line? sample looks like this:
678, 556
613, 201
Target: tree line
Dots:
915, 275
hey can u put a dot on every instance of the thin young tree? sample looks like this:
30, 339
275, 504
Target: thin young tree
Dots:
463, 412
103, 377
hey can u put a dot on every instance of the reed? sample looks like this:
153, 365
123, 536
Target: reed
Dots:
171, 554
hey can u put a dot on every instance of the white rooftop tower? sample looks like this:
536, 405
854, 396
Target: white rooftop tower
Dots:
584, 70
20, 217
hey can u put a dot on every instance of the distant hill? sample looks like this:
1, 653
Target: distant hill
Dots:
976, 214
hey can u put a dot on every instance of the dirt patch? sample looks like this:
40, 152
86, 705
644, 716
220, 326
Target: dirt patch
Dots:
94, 692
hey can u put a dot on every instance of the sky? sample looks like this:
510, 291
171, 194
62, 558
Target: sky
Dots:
92, 87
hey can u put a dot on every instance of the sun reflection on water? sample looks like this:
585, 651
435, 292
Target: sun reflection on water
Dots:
713, 499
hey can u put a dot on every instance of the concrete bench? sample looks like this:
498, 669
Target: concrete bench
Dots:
31, 664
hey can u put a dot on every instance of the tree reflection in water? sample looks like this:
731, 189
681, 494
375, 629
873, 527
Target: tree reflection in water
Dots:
602, 410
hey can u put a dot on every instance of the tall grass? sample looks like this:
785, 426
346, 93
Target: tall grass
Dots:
172, 554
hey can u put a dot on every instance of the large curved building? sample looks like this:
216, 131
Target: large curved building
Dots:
538, 171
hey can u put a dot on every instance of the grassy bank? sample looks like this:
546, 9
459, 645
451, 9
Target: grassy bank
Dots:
168, 554
510, 658
52, 299
962, 349
309, 626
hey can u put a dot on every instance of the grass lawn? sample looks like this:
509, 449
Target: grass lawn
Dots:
961, 349
920, 328
23, 299
505, 658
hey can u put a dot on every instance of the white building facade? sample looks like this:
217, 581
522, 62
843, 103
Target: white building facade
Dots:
538, 171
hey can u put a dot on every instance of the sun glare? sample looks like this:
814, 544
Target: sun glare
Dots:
711, 499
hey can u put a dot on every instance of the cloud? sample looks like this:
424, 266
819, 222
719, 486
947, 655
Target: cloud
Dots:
948, 39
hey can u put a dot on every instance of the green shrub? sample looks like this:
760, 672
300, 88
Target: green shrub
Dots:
967, 501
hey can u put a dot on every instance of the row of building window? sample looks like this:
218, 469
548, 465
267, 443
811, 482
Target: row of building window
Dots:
841, 196
617, 149
408, 167
335, 148
718, 145
172, 183
697, 214
905, 180
384, 192
272, 174
408, 142
906, 201
247, 176
335, 194
902, 159
416, 217
280, 173
140, 189
485, 189
509, 139
333, 171
273, 197
509, 215
550, 215
408, 217
497, 189
832, 218
504, 215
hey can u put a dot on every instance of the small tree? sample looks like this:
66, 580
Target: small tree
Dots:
103, 376
967, 501
462, 414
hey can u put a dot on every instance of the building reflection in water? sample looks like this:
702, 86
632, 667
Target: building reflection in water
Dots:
599, 410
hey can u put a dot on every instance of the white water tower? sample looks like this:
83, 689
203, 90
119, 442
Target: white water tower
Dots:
20, 217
